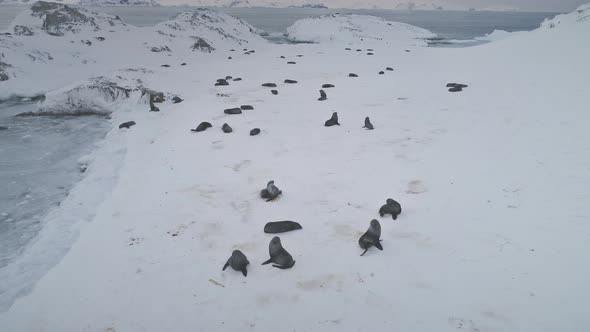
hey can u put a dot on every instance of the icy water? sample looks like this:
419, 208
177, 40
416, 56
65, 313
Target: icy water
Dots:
448, 25
37, 169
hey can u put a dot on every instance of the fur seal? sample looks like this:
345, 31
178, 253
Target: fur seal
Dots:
221, 82
269, 85
274, 92
281, 226
323, 95
227, 78
369, 53
299, 55
153, 107
237, 79
369, 50
456, 89
235, 110
177, 100
451, 85
202, 127
238, 262
353, 75
347, 49
381, 72
389, 68
359, 50
282, 57
290, 81
229, 58
271, 192
368, 124
291, 62
247, 107
125, 124
333, 120
278, 255
327, 86
254, 131
371, 237
183, 64
391, 207
226, 128
165, 66
6, 128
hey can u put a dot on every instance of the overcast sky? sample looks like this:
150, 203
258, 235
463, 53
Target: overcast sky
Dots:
522, 5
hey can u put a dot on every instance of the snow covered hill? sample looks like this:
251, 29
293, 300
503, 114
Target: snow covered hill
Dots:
50, 36
356, 29
119, 3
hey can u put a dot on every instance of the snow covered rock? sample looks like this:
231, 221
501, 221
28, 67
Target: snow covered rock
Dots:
119, 3
58, 19
354, 29
579, 16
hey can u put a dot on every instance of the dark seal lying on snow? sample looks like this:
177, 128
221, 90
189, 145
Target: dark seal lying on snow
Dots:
127, 124
333, 121
278, 255
238, 262
269, 85
391, 207
202, 127
226, 128
275, 227
372, 236
235, 110
270, 192
323, 95
254, 131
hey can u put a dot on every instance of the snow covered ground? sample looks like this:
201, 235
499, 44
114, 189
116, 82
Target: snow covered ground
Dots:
493, 182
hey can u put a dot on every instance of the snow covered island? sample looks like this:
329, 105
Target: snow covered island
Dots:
484, 147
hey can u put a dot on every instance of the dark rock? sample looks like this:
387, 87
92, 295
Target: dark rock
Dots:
202, 127
368, 124
87, 42
389, 68
254, 131
165, 66
157, 49
221, 82
202, 45
21, 30
333, 121
291, 63
274, 92
381, 72
237, 79
157, 97
353, 75
269, 85
281, 226
323, 95
127, 124
327, 86
153, 99
247, 107
233, 111
290, 81
226, 128
177, 100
